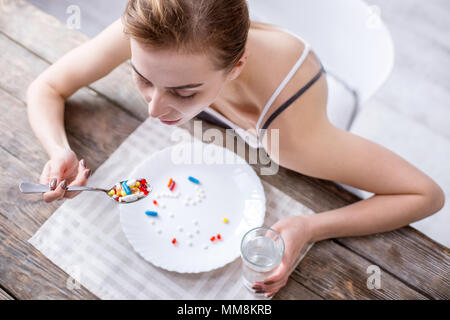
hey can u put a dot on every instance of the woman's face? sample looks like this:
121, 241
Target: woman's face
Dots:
176, 86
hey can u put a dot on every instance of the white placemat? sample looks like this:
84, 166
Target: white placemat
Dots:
84, 237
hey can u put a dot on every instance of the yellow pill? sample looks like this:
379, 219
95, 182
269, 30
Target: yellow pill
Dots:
225, 220
123, 193
137, 183
111, 193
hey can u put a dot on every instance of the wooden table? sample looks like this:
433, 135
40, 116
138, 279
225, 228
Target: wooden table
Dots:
98, 118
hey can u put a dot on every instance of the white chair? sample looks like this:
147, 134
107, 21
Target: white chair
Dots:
352, 42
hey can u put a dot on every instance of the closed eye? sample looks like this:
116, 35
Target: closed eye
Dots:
147, 83
183, 97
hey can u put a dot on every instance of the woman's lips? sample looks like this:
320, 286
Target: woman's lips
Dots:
169, 122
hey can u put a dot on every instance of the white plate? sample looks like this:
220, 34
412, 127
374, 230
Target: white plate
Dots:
232, 191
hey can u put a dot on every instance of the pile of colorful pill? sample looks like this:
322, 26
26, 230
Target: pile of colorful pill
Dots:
129, 190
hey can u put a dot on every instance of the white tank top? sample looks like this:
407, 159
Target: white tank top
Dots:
251, 139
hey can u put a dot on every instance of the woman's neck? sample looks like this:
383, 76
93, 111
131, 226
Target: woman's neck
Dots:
238, 100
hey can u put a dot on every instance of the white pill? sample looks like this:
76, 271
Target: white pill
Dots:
159, 231
131, 182
153, 221
180, 228
115, 196
197, 231
188, 198
140, 195
190, 244
163, 206
190, 235
157, 196
130, 198
171, 214
195, 222
194, 202
205, 246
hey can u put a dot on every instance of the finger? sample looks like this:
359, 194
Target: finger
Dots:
279, 274
57, 194
56, 172
271, 294
45, 175
80, 180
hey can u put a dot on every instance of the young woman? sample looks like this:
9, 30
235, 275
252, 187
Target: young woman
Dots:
189, 56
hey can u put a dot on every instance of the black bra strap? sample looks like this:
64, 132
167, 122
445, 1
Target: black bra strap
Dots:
293, 98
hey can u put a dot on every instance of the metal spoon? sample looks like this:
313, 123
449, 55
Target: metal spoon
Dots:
30, 187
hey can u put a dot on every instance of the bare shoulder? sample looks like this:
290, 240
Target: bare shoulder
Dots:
305, 115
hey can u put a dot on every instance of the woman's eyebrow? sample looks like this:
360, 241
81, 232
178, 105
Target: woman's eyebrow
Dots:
192, 85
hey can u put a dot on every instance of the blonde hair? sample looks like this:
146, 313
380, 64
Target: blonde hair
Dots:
218, 28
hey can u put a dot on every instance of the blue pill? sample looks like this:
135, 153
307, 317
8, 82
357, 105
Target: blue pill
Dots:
151, 213
126, 188
194, 180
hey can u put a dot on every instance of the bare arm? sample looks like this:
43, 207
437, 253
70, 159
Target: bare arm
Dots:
79, 67
45, 104
403, 193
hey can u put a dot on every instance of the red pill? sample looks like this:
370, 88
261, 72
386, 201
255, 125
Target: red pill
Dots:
173, 186
219, 237
174, 240
143, 181
156, 203
213, 238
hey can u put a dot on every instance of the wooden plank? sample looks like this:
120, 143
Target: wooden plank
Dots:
337, 273
52, 39
4, 295
27, 273
411, 256
293, 290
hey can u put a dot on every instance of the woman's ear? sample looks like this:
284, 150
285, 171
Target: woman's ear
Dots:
238, 67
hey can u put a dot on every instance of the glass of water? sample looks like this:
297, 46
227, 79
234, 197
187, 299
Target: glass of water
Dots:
261, 250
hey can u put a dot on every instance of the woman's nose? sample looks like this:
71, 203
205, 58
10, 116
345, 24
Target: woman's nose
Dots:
155, 105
